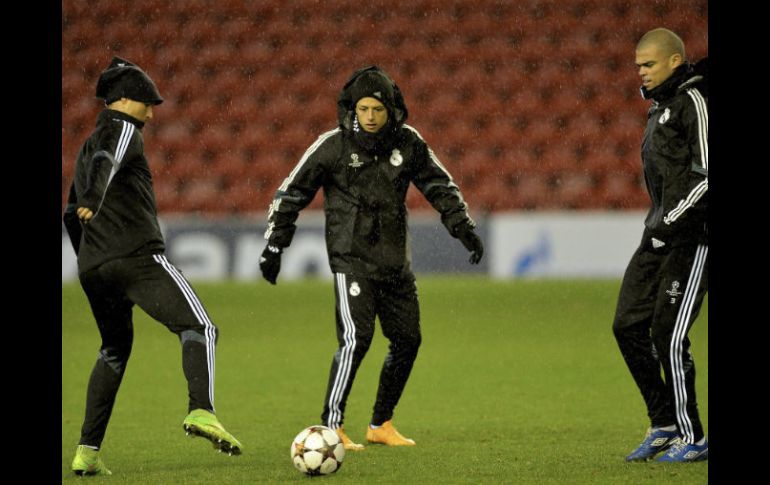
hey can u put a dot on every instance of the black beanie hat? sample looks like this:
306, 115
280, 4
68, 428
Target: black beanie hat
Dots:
123, 79
373, 82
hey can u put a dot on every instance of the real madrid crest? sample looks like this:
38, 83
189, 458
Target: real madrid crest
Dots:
355, 290
395, 158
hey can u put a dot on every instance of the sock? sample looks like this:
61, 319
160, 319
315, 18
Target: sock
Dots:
667, 428
373, 426
701, 442
95, 448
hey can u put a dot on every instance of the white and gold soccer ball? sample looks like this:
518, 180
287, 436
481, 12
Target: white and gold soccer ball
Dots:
317, 450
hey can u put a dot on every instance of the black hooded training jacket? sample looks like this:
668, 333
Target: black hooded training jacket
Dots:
675, 157
365, 178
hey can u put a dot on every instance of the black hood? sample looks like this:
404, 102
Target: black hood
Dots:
701, 76
124, 79
373, 82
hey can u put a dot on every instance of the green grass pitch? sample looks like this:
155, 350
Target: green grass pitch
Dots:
516, 382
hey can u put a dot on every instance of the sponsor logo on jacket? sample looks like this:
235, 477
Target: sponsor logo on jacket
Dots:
356, 162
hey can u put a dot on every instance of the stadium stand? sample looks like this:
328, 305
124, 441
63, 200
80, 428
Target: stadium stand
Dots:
530, 105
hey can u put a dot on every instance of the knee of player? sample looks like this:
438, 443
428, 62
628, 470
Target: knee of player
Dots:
362, 344
115, 356
621, 328
199, 335
661, 341
408, 342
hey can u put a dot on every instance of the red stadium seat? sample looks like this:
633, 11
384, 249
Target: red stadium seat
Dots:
552, 75
239, 28
201, 110
523, 101
574, 190
621, 191
626, 129
493, 196
255, 53
75, 12
585, 127
200, 195
203, 28
531, 191
565, 101
227, 84
601, 158
82, 33
174, 57
216, 137
72, 83
540, 131
494, 51
251, 198
166, 194
174, 135
296, 55
214, 57
478, 23
518, 161
304, 84
295, 138
159, 34
230, 167
108, 10
469, 81
242, 108
559, 157
254, 138
442, 106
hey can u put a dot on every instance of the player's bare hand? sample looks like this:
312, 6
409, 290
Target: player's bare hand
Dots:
85, 214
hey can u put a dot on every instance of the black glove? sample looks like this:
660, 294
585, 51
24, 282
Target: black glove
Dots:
471, 241
270, 263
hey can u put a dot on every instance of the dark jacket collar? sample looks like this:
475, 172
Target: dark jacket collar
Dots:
113, 114
674, 84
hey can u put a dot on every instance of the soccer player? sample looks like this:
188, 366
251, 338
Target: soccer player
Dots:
667, 277
111, 219
365, 166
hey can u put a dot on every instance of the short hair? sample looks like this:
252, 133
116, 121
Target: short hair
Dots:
667, 41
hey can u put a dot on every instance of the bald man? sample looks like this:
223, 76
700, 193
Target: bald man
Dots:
667, 277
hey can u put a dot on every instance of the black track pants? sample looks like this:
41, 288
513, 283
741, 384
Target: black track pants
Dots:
359, 302
159, 289
660, 298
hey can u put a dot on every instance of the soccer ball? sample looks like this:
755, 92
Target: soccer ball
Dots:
317, 450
